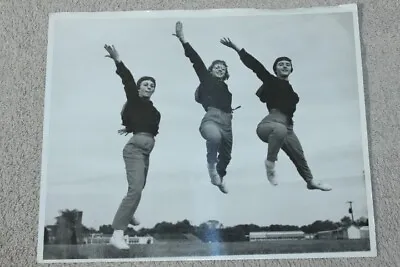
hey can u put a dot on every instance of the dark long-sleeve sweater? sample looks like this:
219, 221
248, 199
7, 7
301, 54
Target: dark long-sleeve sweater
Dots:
213, 92
276, 93
142, 116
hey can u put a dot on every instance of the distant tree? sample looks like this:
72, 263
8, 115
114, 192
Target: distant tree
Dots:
306, 229
74, 239
239, 232
214, 224
184, 227
209, 231
106, 229
164, 227
88, 231
279, 227
345, 221
46, 236
318, 226
201, 231
130, 232
234, 234
362, 221
67, 223
144, 231
251, 228
161, 228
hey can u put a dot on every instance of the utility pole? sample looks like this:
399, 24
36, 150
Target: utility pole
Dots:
351, 210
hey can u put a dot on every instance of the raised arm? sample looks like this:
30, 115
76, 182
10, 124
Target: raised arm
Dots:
123, 72
249, 61
128, 81
195, 59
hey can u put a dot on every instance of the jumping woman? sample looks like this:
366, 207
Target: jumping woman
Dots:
276, 128
141, 119
214, 95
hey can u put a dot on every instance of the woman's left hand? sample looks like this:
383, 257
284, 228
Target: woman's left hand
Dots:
123, 131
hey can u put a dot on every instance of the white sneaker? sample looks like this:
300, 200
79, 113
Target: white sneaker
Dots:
318, 185
134, 221
270, 168
222, 188
118, 241
214, 176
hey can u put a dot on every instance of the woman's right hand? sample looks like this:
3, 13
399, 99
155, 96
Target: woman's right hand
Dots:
112, 52
179, 31
227, 42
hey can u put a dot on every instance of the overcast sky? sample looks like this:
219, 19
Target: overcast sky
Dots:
86, 170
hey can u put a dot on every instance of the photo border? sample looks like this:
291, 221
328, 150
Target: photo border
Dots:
156, 14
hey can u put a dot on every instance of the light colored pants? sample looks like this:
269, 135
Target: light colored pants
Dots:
275, 130
136, 155
216, 129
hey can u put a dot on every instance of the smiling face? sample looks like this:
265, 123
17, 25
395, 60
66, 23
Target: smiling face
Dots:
283, 68
146, 88
218, 70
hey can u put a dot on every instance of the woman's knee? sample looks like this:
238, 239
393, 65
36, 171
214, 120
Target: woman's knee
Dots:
210, 132
263, 131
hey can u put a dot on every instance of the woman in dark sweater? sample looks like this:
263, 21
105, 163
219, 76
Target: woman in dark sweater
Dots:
276, 128
142, 119
216, 126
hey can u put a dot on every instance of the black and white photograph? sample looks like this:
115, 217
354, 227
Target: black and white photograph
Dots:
217, 134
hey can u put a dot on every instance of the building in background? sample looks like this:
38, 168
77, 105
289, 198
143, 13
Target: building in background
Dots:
364, 232
100, 238
139, 239
350, 232
276, 235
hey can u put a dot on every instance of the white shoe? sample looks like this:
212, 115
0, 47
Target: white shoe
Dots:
271, 175
118, 241
222, 188
214, 176
134, 221
318, 185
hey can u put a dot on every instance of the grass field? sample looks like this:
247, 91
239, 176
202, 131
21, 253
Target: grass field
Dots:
187, 249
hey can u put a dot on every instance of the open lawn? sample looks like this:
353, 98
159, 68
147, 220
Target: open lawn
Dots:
187, 249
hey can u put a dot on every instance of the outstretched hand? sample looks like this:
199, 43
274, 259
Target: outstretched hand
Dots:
227, 42
112, 52
179, 31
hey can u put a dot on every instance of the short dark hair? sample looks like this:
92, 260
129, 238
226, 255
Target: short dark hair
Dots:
145, 78
281, 59
219, 61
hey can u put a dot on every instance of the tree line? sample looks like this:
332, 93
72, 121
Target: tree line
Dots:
207, 232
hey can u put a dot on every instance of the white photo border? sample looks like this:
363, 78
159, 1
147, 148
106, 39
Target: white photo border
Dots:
155, 14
